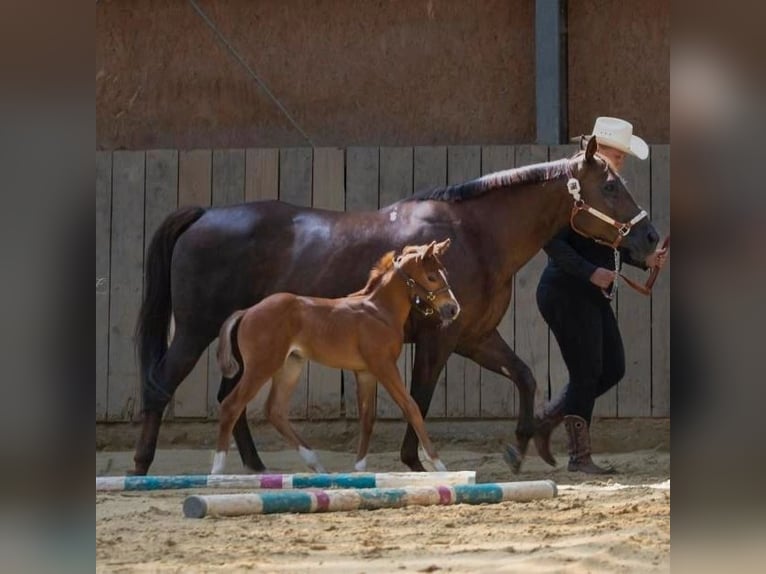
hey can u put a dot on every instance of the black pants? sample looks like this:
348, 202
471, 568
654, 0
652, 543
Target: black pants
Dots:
587, 333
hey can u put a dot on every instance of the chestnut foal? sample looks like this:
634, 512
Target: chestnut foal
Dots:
363, 332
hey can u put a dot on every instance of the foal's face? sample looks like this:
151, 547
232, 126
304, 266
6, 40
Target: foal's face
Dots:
422, 263
605, 190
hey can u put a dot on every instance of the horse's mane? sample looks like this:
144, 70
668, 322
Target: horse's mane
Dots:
536, 173
376, 274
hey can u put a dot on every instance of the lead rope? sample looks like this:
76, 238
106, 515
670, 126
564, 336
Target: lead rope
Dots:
613, 291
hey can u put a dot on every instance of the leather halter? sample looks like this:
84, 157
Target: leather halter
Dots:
420, 296
623, 229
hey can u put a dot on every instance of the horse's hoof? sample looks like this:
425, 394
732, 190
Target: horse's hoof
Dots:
137, 472
513, 457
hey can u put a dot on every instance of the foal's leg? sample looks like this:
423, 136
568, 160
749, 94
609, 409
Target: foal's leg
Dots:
366, 386
388, 374
232, 407
247, 451
278, 403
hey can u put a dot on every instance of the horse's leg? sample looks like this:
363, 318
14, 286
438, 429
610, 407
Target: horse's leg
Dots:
388, 374
244, 439
493, 353
366, 385
431, 352
232, 407
283, 384
161, 383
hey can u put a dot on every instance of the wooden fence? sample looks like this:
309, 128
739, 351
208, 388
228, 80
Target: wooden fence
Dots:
135, 190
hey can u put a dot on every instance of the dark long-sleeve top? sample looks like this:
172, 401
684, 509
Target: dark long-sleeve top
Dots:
574, 258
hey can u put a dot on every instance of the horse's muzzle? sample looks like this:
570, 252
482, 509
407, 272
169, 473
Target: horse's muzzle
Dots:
449, 312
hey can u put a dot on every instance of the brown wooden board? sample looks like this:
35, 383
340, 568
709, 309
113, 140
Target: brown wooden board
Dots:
228, 188
429, 169
362, 181
195, 169
530, 328
103, 238
634, 313
463, 377
261, 174
661, 293
295, 175
324, 385
395, 184
126, 285
498, 393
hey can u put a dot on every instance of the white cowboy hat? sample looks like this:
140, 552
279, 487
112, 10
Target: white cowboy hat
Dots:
617, 133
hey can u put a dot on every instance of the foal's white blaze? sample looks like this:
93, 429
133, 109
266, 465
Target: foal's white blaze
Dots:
219, 462
361, 465
311, 459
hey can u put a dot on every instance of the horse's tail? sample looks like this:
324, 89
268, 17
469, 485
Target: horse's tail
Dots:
154, 317
226, 343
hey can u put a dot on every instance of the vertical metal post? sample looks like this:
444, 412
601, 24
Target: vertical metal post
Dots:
551, 71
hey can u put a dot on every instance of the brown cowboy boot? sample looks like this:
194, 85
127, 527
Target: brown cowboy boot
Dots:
579, 447
552, 416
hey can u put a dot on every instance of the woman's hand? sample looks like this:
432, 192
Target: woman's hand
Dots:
657, 259
603, 277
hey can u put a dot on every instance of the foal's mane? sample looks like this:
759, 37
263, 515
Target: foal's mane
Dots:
536, 173
376, 274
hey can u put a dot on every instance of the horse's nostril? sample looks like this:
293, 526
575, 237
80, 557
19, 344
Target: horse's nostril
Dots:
652, 236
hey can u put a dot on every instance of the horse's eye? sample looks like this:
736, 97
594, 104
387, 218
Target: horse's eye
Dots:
610, 188
432, 278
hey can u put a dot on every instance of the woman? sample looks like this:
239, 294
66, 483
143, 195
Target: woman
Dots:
573, 297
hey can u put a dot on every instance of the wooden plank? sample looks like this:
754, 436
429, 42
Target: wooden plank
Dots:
558, 375
295, 176
463, 378
261, 174
228, 188
429, 169
126, 285
160, 199
531, 330
395, 184
324, 384
103, 238
362, 181
195, 169
634, 392
498, 393
362, 174
661, 294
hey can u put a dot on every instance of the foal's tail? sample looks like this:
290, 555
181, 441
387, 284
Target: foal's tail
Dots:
226, 343
154, 316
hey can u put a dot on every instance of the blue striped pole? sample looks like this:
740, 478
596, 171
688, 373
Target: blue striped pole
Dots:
367, 499
284, 481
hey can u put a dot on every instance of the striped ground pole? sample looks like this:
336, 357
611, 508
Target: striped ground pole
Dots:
199, 506
285, 481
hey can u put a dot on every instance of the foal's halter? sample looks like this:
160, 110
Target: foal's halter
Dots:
422, 299
623, 229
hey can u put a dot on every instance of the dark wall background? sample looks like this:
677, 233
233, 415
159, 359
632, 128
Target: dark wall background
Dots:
619, 65
366, 72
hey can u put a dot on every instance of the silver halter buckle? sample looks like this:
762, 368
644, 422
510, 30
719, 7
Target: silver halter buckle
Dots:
573, 186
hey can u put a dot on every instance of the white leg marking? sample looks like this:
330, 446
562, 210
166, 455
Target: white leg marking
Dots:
425, 459
361, 465
439, 465
311, 459
219, 462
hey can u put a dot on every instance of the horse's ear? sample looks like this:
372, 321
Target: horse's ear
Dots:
429, 250
442, 247
591, 149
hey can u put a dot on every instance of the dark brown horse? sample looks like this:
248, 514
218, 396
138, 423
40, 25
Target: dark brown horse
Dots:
362, 332
204, 264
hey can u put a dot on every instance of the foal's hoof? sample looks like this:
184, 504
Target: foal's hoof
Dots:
513, 457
